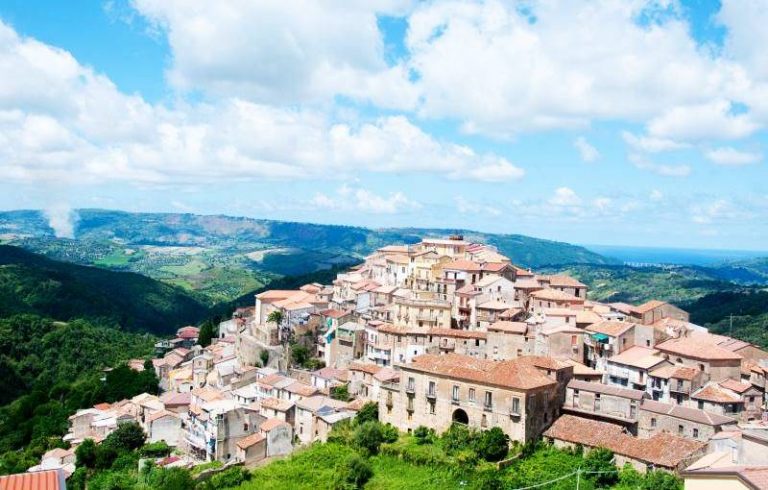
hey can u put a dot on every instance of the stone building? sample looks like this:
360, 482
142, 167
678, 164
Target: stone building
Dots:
521, 396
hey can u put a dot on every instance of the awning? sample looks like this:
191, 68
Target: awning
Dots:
600, 337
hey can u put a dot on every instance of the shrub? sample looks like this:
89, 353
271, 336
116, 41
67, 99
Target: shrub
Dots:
389, 433
85, 454
155, 450
369, 436
354, 472
369, 412
340, 392
600, 461
127, 437
492, 445
424, 435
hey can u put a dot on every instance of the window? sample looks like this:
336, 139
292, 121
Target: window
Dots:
633, 410
484, 421
455, 393
488, 399
411, 384
431, 390
680, 429
701, 367
597, 402
516, 405
245, 427
623, 342
701, 405
471, 394
653, 422
574, 340
695, 433
576, 398
647, 343
432, 407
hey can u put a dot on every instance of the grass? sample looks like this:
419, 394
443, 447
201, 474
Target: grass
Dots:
191, 268
391, 472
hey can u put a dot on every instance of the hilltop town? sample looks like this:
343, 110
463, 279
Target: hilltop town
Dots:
446, 332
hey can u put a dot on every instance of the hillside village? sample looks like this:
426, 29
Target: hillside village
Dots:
447, 331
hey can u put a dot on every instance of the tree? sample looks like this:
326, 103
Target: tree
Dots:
369, 437
299, 355
170, 479
85, 454
354, 472
127, 437
208, 332
340, 392
264, 356
276, 316
368, 412
492, 444
424, 435
600, 461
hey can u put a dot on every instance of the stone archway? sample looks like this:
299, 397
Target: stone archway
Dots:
460, 417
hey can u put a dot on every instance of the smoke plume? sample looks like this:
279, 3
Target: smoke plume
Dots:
62, 218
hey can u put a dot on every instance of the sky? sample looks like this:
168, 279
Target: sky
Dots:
624, 122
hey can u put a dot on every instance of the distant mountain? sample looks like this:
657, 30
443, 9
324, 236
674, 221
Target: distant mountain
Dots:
223, 257
30, 283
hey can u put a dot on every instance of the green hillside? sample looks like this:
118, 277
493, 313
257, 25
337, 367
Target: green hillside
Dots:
224, 257
30, 283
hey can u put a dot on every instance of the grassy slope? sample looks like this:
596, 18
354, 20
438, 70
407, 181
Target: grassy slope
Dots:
30, 283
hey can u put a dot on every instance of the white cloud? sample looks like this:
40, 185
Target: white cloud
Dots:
281, 51
489, 64
666, 170
587, 152
648, 144
58, 124
365, 201
465, 206
565, 196
717, 210
703, 121
731, 156
656, 195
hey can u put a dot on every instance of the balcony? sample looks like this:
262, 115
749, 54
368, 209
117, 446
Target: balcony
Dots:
488, 407
410, 389
454, 401
432, 394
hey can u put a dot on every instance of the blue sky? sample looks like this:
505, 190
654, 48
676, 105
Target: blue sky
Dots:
613, 122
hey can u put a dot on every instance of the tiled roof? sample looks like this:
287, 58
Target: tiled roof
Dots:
334, 313
554, 295
577, 384
638, 356
756, 477
713, 392
460, 334
701, 347
271, 424
662, 449
39, 480
494, 305
562, 280
737, 386
278, 404
250, 440
508, 327
463, 265
515, 373
648, 306
610, 327
675, 372
685, 413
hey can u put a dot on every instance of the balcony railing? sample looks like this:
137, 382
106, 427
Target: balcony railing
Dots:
488, 407
410, 389
432, 394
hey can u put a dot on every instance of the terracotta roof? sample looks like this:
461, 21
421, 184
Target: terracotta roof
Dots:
555, 295
699, 347
495, 266
587, 316
275, 294
301, 389
332, 313
356, 404
648, 306
365, 367
387, 374
577, 384
463, 265
102, 406
161, 414
508, 327
398, 259
277, 404
611, 328
39, 480
713, 392
662, 449
271, 424
460, 334
250, 440
514, 373
562, 280
737, 386
638, 356
188, 332
686, 413
176, 399
494, 305
510, 313
675, 372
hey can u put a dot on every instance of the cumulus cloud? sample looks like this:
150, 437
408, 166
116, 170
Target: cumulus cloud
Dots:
565, 196
730, 156
666, 170
57, 123
465, 206
587, 152
363, 200
648, 144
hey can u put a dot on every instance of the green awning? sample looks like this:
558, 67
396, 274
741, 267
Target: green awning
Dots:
600, 337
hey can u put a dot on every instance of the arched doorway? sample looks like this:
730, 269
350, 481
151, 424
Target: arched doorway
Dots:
460, 417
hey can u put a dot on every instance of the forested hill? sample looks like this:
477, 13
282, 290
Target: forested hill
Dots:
31, 283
